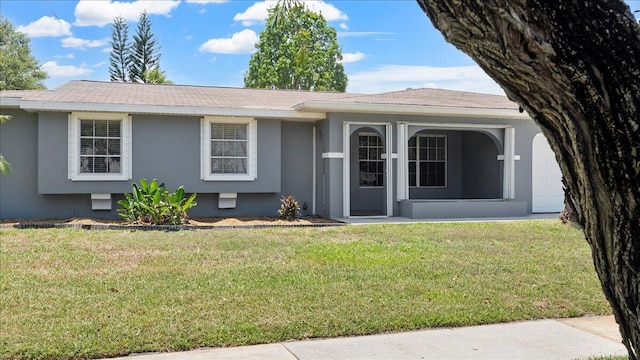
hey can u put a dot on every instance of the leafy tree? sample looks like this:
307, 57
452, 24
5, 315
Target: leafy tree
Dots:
144, 51
297, 50
5, 167
574, 66
120, 58
156, 76
19, 70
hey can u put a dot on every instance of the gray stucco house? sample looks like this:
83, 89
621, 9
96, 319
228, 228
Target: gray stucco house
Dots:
422, 153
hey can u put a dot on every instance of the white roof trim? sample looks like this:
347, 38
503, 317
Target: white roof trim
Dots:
31, 105
330, 106
13, 102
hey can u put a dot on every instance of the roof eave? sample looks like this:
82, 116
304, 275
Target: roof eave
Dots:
330, 106
30, 105
10, 102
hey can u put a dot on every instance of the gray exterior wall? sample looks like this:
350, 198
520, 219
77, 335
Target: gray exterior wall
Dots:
168, 148
297, 164
164, 147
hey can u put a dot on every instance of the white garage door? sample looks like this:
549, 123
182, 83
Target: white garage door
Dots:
547, 193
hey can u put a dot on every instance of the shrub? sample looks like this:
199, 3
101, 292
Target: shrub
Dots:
153, 204
289, 208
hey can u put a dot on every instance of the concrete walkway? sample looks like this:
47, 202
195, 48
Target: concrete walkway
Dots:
578, 338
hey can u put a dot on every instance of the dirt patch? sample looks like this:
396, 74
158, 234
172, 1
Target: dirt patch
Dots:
211, 221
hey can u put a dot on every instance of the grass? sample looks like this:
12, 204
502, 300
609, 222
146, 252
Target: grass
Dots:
68, 293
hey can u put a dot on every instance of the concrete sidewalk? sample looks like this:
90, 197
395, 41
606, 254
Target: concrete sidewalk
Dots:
578, 338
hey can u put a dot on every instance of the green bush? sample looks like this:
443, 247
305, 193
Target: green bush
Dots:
153, 204
289, 208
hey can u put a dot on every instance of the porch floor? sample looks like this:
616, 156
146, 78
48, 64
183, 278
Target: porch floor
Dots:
403, 220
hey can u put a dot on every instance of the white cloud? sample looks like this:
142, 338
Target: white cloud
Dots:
259, 11
242, 42
352, 57
102, 12
82, 44
68, 56
54, 70
46, 26
399, 77
344, 26
101, 63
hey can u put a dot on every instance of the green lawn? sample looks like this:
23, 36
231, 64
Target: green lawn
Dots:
69, 293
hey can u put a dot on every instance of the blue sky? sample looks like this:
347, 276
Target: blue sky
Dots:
387, 45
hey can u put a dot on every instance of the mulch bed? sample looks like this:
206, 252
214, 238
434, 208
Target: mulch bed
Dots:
195, 223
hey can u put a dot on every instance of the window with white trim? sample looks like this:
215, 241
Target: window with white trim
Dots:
229, 149
370, 160
99, 147
427, 160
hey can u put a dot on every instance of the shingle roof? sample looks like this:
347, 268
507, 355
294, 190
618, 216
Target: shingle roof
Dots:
208, 97
435, 97
94, 92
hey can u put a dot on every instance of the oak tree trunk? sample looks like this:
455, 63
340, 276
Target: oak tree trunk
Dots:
574, 66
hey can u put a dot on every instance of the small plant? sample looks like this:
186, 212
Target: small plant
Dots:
289, 208
151, 203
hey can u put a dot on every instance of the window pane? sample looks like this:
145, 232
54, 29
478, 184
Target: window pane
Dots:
100, 165
86, 146
240, 148
86, 164
423, 141
440, 154
423, 153
228, 131
101, 128
100, 146
114, 128
216, 131
412, 141
432, 154
227, 147
114, 164
241, 132
86, 128
412, 154
113, 147
235, 166
216, 166
441, 141
216, 148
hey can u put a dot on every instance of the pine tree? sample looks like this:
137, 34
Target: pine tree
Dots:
144, 54
120, 58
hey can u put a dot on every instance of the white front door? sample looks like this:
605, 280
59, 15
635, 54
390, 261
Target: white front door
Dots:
546, 183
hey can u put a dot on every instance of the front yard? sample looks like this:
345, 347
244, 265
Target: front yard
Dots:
67, 293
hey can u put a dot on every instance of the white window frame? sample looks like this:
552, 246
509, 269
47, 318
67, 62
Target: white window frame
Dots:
418, 160
380, 160
205, 148
74, 173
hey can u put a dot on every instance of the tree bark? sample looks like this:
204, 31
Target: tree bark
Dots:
574, 66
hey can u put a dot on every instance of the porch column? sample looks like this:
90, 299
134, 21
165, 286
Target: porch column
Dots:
508, 191
402, 172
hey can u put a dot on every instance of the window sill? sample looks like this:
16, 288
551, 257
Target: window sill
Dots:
229, 178
100, 177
